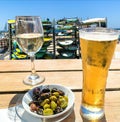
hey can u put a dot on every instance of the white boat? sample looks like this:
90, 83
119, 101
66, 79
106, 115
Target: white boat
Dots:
95, 22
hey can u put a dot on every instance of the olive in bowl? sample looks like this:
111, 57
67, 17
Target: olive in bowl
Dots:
49, 101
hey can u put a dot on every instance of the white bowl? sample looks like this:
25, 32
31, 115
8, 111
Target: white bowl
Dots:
62, 115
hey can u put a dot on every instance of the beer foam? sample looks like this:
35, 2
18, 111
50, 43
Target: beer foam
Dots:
98, 36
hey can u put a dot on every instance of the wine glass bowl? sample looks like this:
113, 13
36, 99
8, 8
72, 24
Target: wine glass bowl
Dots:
30, 43
29, 35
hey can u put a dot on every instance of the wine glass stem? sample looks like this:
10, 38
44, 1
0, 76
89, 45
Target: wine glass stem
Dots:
32, 64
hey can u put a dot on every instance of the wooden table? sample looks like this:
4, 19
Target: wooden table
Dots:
64, 72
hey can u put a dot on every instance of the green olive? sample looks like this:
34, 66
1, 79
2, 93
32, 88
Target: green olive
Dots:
44, 102
63, 101
53, 98
66, 98
47, 112
53, 105
56, 94
60, 97
64, 104
46, 106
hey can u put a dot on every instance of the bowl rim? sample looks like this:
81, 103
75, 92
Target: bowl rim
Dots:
51, 116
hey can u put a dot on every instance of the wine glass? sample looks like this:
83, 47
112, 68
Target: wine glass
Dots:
29, 35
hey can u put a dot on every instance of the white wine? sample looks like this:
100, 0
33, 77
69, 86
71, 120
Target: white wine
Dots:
30, 43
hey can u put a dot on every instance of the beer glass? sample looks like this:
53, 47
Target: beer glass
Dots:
97, 48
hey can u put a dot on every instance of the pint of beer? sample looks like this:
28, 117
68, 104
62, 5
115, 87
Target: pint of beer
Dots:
97, 48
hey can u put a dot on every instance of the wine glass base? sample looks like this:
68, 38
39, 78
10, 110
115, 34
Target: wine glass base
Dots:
33, 80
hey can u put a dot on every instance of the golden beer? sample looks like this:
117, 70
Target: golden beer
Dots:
97, 49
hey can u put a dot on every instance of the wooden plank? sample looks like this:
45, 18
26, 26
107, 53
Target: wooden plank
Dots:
14, 81
10, 82
115, 64
48, 65
41, 65
112, 109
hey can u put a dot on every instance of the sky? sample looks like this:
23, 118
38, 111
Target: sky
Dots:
58, 9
